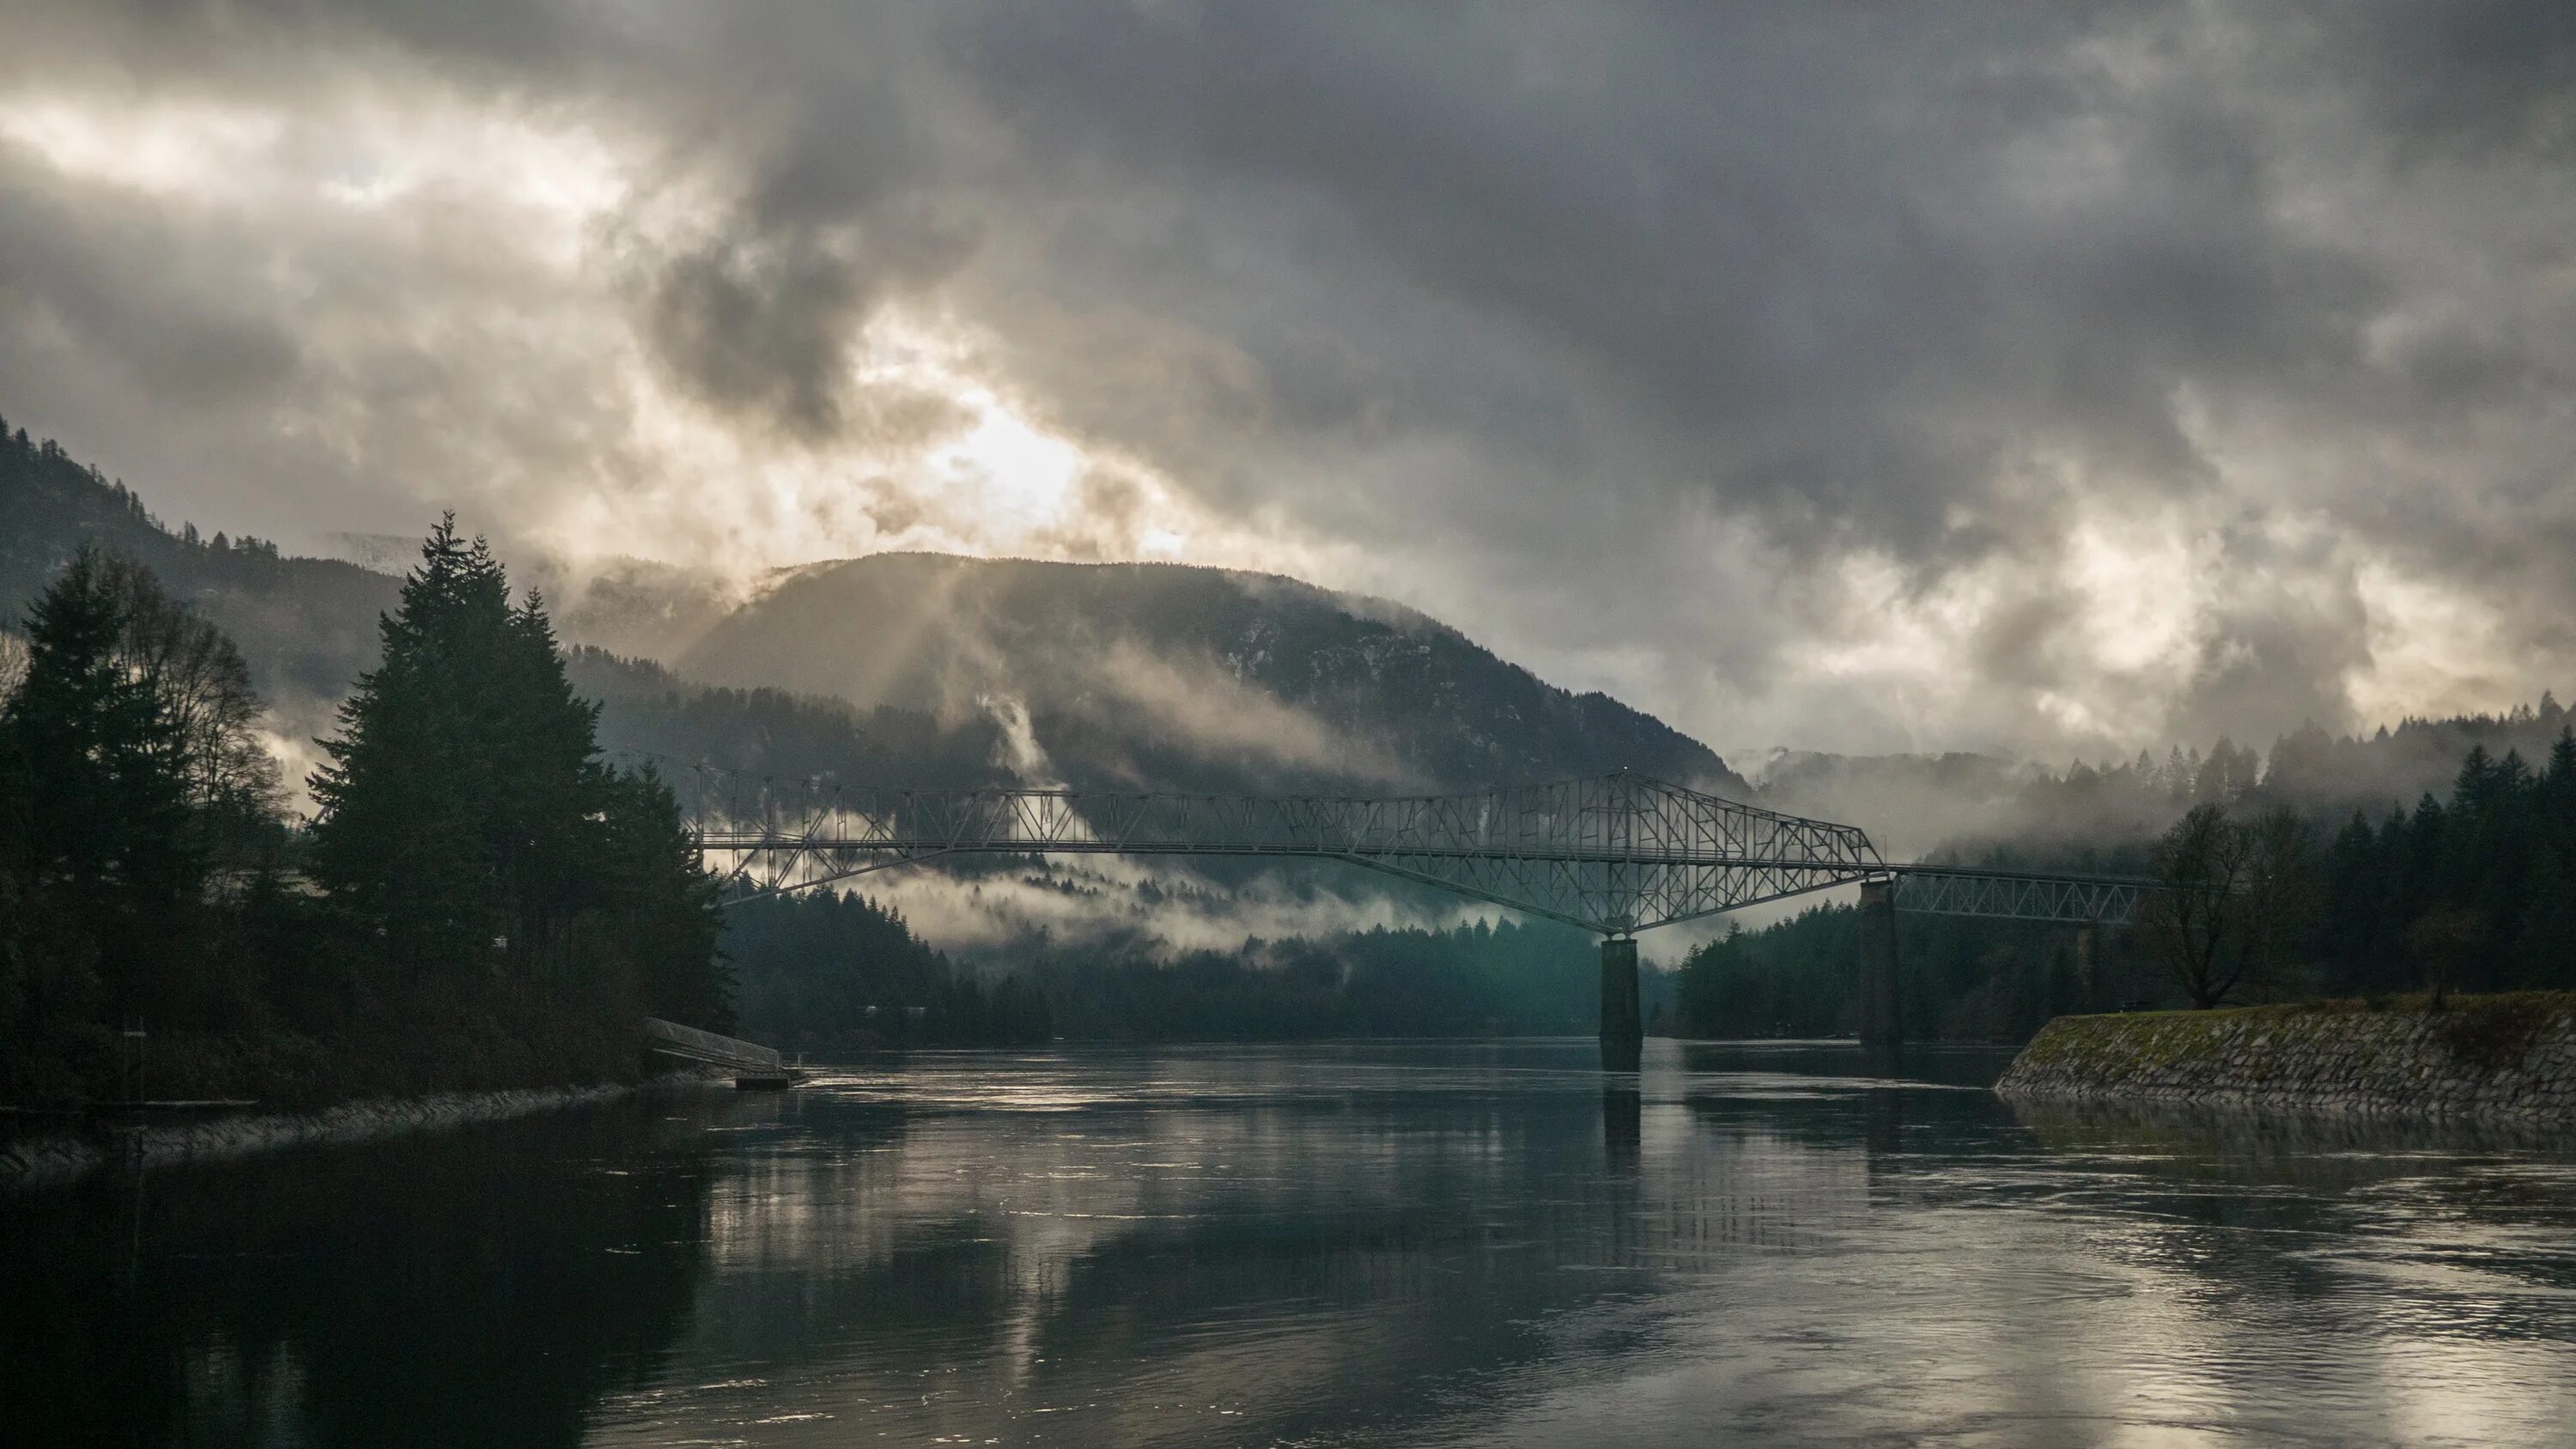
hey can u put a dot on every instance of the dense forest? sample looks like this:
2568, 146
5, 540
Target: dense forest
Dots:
837, 974
480, 901
830, 976
1511, 979
2473, 891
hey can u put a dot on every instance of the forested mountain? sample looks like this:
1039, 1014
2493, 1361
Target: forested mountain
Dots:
946, 672
1972, 805
305, 626
1162, 675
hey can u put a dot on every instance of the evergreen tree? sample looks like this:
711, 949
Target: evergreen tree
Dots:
466, 816
404, 835
93, 785
666, 904
462, 808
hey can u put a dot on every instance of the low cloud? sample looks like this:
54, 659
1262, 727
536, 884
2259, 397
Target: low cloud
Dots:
1204, 708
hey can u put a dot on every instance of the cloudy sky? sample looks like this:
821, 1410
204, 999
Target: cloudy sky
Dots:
2047, 377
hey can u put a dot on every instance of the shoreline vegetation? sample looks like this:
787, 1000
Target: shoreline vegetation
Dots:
479, 904
2267, 896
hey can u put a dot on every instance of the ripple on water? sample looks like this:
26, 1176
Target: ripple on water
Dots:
1345, 1244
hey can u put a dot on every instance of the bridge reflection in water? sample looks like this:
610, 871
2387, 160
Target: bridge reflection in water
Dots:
1617, 854
1398, 1243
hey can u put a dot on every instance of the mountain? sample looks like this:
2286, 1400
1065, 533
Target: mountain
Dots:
920, 669
1178, 677
306, 626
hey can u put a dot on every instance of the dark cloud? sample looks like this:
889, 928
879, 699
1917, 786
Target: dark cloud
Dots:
2461, 81
1682, 349
98, 272
762, 323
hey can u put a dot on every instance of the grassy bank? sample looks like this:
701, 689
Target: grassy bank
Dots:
2507, 1054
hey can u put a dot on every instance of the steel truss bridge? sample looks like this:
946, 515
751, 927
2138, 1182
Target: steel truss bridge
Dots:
1617, 854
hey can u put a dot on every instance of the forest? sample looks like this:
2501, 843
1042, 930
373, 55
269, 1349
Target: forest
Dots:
830, 976
834, 974
479, 901
2474, 890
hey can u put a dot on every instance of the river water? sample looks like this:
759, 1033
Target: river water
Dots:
1341, 1244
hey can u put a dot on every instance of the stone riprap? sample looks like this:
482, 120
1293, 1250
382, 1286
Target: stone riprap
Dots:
2506, 1056
40, 1161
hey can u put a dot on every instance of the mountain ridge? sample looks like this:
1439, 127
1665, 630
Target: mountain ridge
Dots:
1123, 674
1161, 675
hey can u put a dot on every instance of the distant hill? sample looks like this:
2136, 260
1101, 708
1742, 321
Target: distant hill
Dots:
307, 626
1976, 805
1102, 675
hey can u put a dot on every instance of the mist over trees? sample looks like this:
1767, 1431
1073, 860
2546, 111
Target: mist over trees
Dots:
2270, 895
833, 975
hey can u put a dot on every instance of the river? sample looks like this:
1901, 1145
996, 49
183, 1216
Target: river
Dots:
1401, 1243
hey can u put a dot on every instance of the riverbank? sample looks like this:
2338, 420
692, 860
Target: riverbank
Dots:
45, 1159
2505, 1056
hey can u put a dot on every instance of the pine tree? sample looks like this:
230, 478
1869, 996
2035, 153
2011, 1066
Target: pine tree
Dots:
466, 816
401, 837
548, 825
94, 764
665, 904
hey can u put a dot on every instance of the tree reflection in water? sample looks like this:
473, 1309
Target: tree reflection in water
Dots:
1767, 1243
480, 1286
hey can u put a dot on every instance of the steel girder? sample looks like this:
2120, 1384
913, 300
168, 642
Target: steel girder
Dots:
2020, 896
1617, 854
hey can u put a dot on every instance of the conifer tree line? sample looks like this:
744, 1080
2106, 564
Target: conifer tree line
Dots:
2477, 893
832, 975
2264, 897
479, 900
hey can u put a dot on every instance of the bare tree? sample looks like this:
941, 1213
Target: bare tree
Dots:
2198, 864
204, 689
2234, 898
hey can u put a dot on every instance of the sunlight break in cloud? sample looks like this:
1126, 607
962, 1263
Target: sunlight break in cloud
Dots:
2114, 376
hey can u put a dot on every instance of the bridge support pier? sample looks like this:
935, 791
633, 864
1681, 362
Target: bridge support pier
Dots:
1882, 1007
1623, 1026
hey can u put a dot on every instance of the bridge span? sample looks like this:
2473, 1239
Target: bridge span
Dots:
1616, 854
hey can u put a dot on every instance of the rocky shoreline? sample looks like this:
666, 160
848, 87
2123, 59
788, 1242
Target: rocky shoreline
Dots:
51, 1159
2506, 1057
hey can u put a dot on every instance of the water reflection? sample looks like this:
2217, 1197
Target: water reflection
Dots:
1622, 1127
1768, 1243
479, 1287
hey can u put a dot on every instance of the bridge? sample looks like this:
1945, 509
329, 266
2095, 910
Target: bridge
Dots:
1616, 855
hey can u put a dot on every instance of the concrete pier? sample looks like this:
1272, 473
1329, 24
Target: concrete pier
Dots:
1882, 1006
1623, 1027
